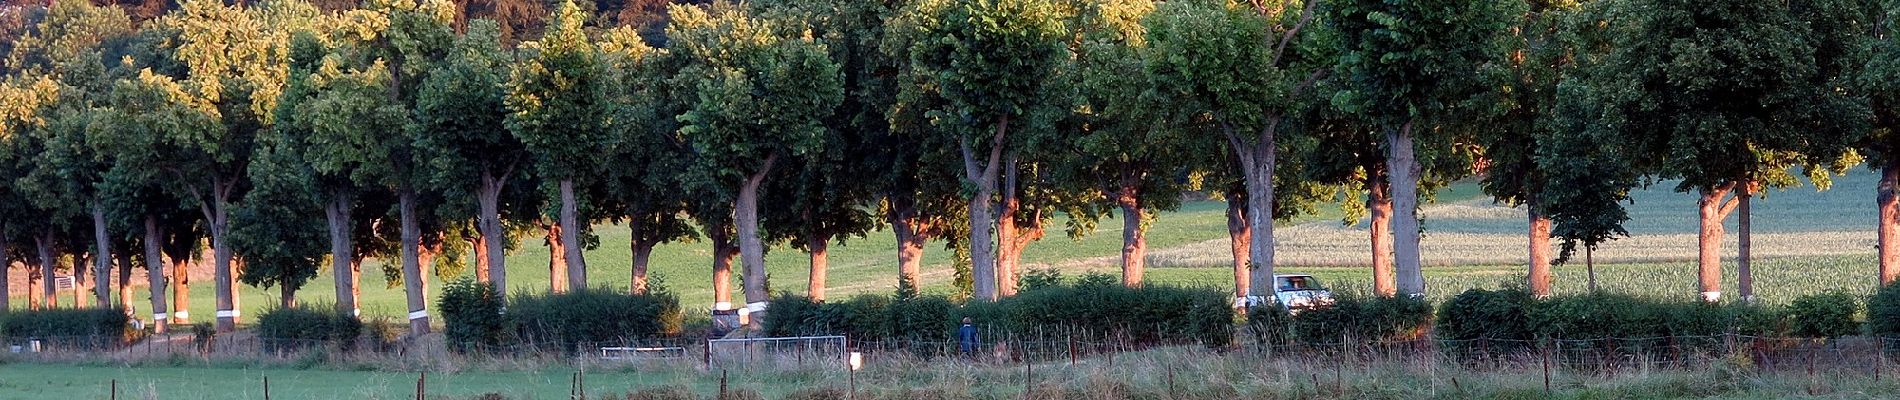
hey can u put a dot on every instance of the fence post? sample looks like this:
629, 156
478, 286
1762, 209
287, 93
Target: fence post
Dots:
115, 391
1029, 378
422, 383
1545, 344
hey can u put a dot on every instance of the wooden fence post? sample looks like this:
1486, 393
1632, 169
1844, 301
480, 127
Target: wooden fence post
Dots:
1546, 350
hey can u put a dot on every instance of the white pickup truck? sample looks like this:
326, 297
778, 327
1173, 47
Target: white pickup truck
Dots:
1294, 292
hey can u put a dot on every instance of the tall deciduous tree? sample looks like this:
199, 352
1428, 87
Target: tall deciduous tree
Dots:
556, 103
757, 91
461, 111
827, 198
68, 45
23, 103
1412, 68
920, 199
1880, 82
647, 164
1527, 97
1248, 70
991, 62
234, 69
1728, 115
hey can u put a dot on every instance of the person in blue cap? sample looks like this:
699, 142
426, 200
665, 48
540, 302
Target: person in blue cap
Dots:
966, 338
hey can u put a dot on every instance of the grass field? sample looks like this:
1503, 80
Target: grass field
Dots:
1806, 241
1168, 373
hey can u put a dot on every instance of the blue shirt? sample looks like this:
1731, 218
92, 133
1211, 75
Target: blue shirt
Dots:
966, 338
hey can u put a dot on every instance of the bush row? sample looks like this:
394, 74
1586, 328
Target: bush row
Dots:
308, 326
1513, 318
1351, 319
474, 317
1091, 308
104, 327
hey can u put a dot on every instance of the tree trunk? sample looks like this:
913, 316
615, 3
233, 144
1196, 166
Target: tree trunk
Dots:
286, 297
557, 258
1240, 240
1134, 239
33, 295
818, 245
1403, 170
1007, 235
494, 254
1539, 275
155, 274
102, 261
570, 235
337, 213
49, 290
78, 267
6, 270
223, 276
1257, 161
1710, 210
412, 278
478, 245
745, 210
908, 231
1888, 200
1379, 228
642, 255
125, 280
181, 289
982, 245
1590, 263
723, 250
1745, 275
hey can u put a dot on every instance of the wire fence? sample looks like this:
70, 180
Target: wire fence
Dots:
1858, 355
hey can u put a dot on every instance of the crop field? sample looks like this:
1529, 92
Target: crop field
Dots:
1805, 241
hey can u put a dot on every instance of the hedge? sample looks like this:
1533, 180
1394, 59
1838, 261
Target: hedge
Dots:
84, 327
1087, 309
308, 326
592, 316
472, 315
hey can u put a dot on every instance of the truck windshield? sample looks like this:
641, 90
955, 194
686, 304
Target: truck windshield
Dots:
1297, 283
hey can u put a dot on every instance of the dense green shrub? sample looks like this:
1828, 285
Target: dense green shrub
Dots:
1090, 308
1041, 278
860, 317
1270, 326
307, 326
88, 327
1496, 318
1603, 315
1828, 314
1353, 318
1883, 311
920, 318
1094, 308
471, 315
590, 316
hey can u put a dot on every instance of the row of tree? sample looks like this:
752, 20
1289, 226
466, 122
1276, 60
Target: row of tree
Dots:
406, 130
